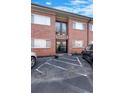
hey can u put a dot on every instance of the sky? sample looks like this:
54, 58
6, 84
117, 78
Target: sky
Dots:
81, 7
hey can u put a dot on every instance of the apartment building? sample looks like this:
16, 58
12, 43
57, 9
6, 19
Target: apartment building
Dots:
54, 31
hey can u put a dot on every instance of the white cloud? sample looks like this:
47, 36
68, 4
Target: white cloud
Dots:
48, 3
83, 7
65, 8
87, 10
69, 9
78, 2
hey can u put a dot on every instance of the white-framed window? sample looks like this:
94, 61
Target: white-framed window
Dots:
32, 43
40, 43
90, 27
77, 44
78, 25
90, 42
40, 19
32, 18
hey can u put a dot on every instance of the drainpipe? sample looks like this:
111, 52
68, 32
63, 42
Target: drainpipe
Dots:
88, 30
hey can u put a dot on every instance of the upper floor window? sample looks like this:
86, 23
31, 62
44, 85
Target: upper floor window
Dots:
39, 19
61, 28
78, 25
90, 27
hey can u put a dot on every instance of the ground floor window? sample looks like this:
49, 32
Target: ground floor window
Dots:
40, 43
77, 44
90, 42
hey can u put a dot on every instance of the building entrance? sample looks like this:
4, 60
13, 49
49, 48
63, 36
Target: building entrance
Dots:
61, 46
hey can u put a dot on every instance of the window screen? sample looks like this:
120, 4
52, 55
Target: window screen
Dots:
39, 19
41, 43
78, 25
77, 44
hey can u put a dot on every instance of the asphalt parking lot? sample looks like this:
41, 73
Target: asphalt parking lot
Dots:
66, 74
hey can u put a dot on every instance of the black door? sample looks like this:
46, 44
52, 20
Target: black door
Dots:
61, 46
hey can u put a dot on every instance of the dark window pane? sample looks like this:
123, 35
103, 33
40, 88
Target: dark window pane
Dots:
63, 27
58, 28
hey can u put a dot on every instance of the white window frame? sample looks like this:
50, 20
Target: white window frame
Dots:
74, 42
32, 18
91, 27
45, 41
91, 42
76, 25
32, 43
40, 19
48, 45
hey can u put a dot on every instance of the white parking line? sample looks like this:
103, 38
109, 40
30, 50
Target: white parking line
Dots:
56, 66
69, 59
40, 65
79, 61
39, 71
82, 74
43, 64
65, 69
66, 62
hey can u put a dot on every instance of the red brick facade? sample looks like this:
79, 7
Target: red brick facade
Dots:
90, 33
49, 32
75, 34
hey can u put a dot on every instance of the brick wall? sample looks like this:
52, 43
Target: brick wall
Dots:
44, 32
49, 33
90, 36
76, 35
91, 33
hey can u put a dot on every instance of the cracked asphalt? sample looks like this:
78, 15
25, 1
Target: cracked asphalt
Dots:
66, 74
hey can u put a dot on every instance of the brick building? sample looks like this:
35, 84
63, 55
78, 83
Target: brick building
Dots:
54, 31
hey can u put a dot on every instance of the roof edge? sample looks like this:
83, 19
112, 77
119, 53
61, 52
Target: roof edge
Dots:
57, 10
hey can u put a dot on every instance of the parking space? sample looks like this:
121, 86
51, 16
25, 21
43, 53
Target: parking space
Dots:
69, 73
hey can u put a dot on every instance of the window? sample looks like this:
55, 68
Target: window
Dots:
58, 27
90, 27
40, 43
39, 19
32, 18
48, 43
32, 43
61, 28
90, 42
77, 44
78, 25
64, 27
